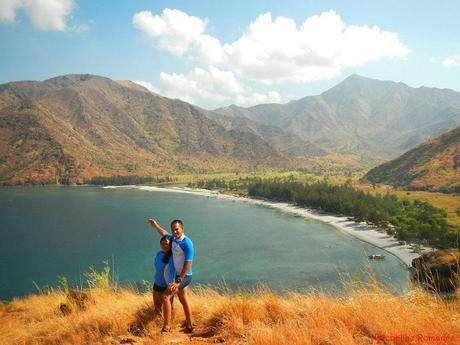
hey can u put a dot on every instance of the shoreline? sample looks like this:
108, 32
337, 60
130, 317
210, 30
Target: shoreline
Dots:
361, 231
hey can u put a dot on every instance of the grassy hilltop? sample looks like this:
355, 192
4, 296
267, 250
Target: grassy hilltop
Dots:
364, 315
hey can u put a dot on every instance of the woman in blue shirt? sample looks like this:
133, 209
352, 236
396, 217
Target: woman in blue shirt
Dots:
163, 265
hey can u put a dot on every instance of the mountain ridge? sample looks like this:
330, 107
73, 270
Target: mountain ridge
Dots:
433, 165
74, 127
361, 115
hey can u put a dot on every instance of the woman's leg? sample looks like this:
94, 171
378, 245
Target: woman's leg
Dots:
157, 302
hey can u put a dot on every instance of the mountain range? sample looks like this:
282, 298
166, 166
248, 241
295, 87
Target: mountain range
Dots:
74, 127
376, 119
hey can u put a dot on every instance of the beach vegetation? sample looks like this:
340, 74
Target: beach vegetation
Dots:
408, 220
124, 180
103, 279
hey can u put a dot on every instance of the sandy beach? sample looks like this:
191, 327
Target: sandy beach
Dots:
361, 231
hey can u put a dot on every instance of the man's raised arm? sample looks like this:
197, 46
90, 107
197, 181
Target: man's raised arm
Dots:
154, 224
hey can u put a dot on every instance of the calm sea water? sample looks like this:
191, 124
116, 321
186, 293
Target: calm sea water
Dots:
47, 232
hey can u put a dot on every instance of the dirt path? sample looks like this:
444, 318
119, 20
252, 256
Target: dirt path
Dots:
175, 336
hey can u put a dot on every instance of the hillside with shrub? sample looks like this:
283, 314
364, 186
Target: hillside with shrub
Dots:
433, 165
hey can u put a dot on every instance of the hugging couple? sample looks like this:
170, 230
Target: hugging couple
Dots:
173, 273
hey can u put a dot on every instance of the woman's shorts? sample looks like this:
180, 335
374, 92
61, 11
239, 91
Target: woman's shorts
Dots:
158, 288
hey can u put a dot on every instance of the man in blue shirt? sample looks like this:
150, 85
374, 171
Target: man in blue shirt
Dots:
182, 251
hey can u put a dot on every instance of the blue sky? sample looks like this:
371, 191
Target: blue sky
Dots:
215, 53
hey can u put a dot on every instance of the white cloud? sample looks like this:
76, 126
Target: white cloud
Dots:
8, 10
174, 30
177, 32
270, 51
211, 86
199, 84
210, 49
149, 86
258, 98
452, 61
44, 14
275, 50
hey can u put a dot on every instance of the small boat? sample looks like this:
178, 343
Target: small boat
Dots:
376, 257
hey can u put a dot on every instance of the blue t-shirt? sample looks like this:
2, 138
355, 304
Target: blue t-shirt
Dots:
182, 251
164, 272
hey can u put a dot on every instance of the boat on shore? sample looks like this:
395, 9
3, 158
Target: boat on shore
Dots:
376, 257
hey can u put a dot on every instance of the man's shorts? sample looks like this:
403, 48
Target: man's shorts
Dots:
185, 282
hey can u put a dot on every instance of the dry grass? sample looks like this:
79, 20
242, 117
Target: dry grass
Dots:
361, 316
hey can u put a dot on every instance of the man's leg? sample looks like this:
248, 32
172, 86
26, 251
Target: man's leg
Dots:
183, 298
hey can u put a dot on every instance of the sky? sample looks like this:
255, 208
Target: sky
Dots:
218, 53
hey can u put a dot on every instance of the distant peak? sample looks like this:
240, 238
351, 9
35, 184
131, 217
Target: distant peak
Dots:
72, 79
359, 79
356, 83
356, 78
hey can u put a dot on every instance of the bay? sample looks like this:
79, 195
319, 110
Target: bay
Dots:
46, 232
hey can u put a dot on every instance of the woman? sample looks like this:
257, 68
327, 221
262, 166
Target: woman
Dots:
163, 264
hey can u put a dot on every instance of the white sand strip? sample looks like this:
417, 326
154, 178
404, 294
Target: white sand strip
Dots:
361, 231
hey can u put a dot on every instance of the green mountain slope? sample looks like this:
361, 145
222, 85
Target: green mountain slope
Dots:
433, 165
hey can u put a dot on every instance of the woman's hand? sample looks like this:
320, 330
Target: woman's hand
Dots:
173, 287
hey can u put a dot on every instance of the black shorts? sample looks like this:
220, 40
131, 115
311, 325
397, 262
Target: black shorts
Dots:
158, 288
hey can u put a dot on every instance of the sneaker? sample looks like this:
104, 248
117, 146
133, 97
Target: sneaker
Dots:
183, 324
166, 329
188, 330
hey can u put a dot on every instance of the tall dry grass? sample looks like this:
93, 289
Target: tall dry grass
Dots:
364, 315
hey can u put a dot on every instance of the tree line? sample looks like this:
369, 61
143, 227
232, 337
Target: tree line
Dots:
415, 221
240, 184
122, 180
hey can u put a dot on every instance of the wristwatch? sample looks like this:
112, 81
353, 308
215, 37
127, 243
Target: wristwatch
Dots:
178, 279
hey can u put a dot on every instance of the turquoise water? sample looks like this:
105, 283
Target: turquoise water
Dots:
47, 232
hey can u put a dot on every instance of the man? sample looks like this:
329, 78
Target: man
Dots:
182, 251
